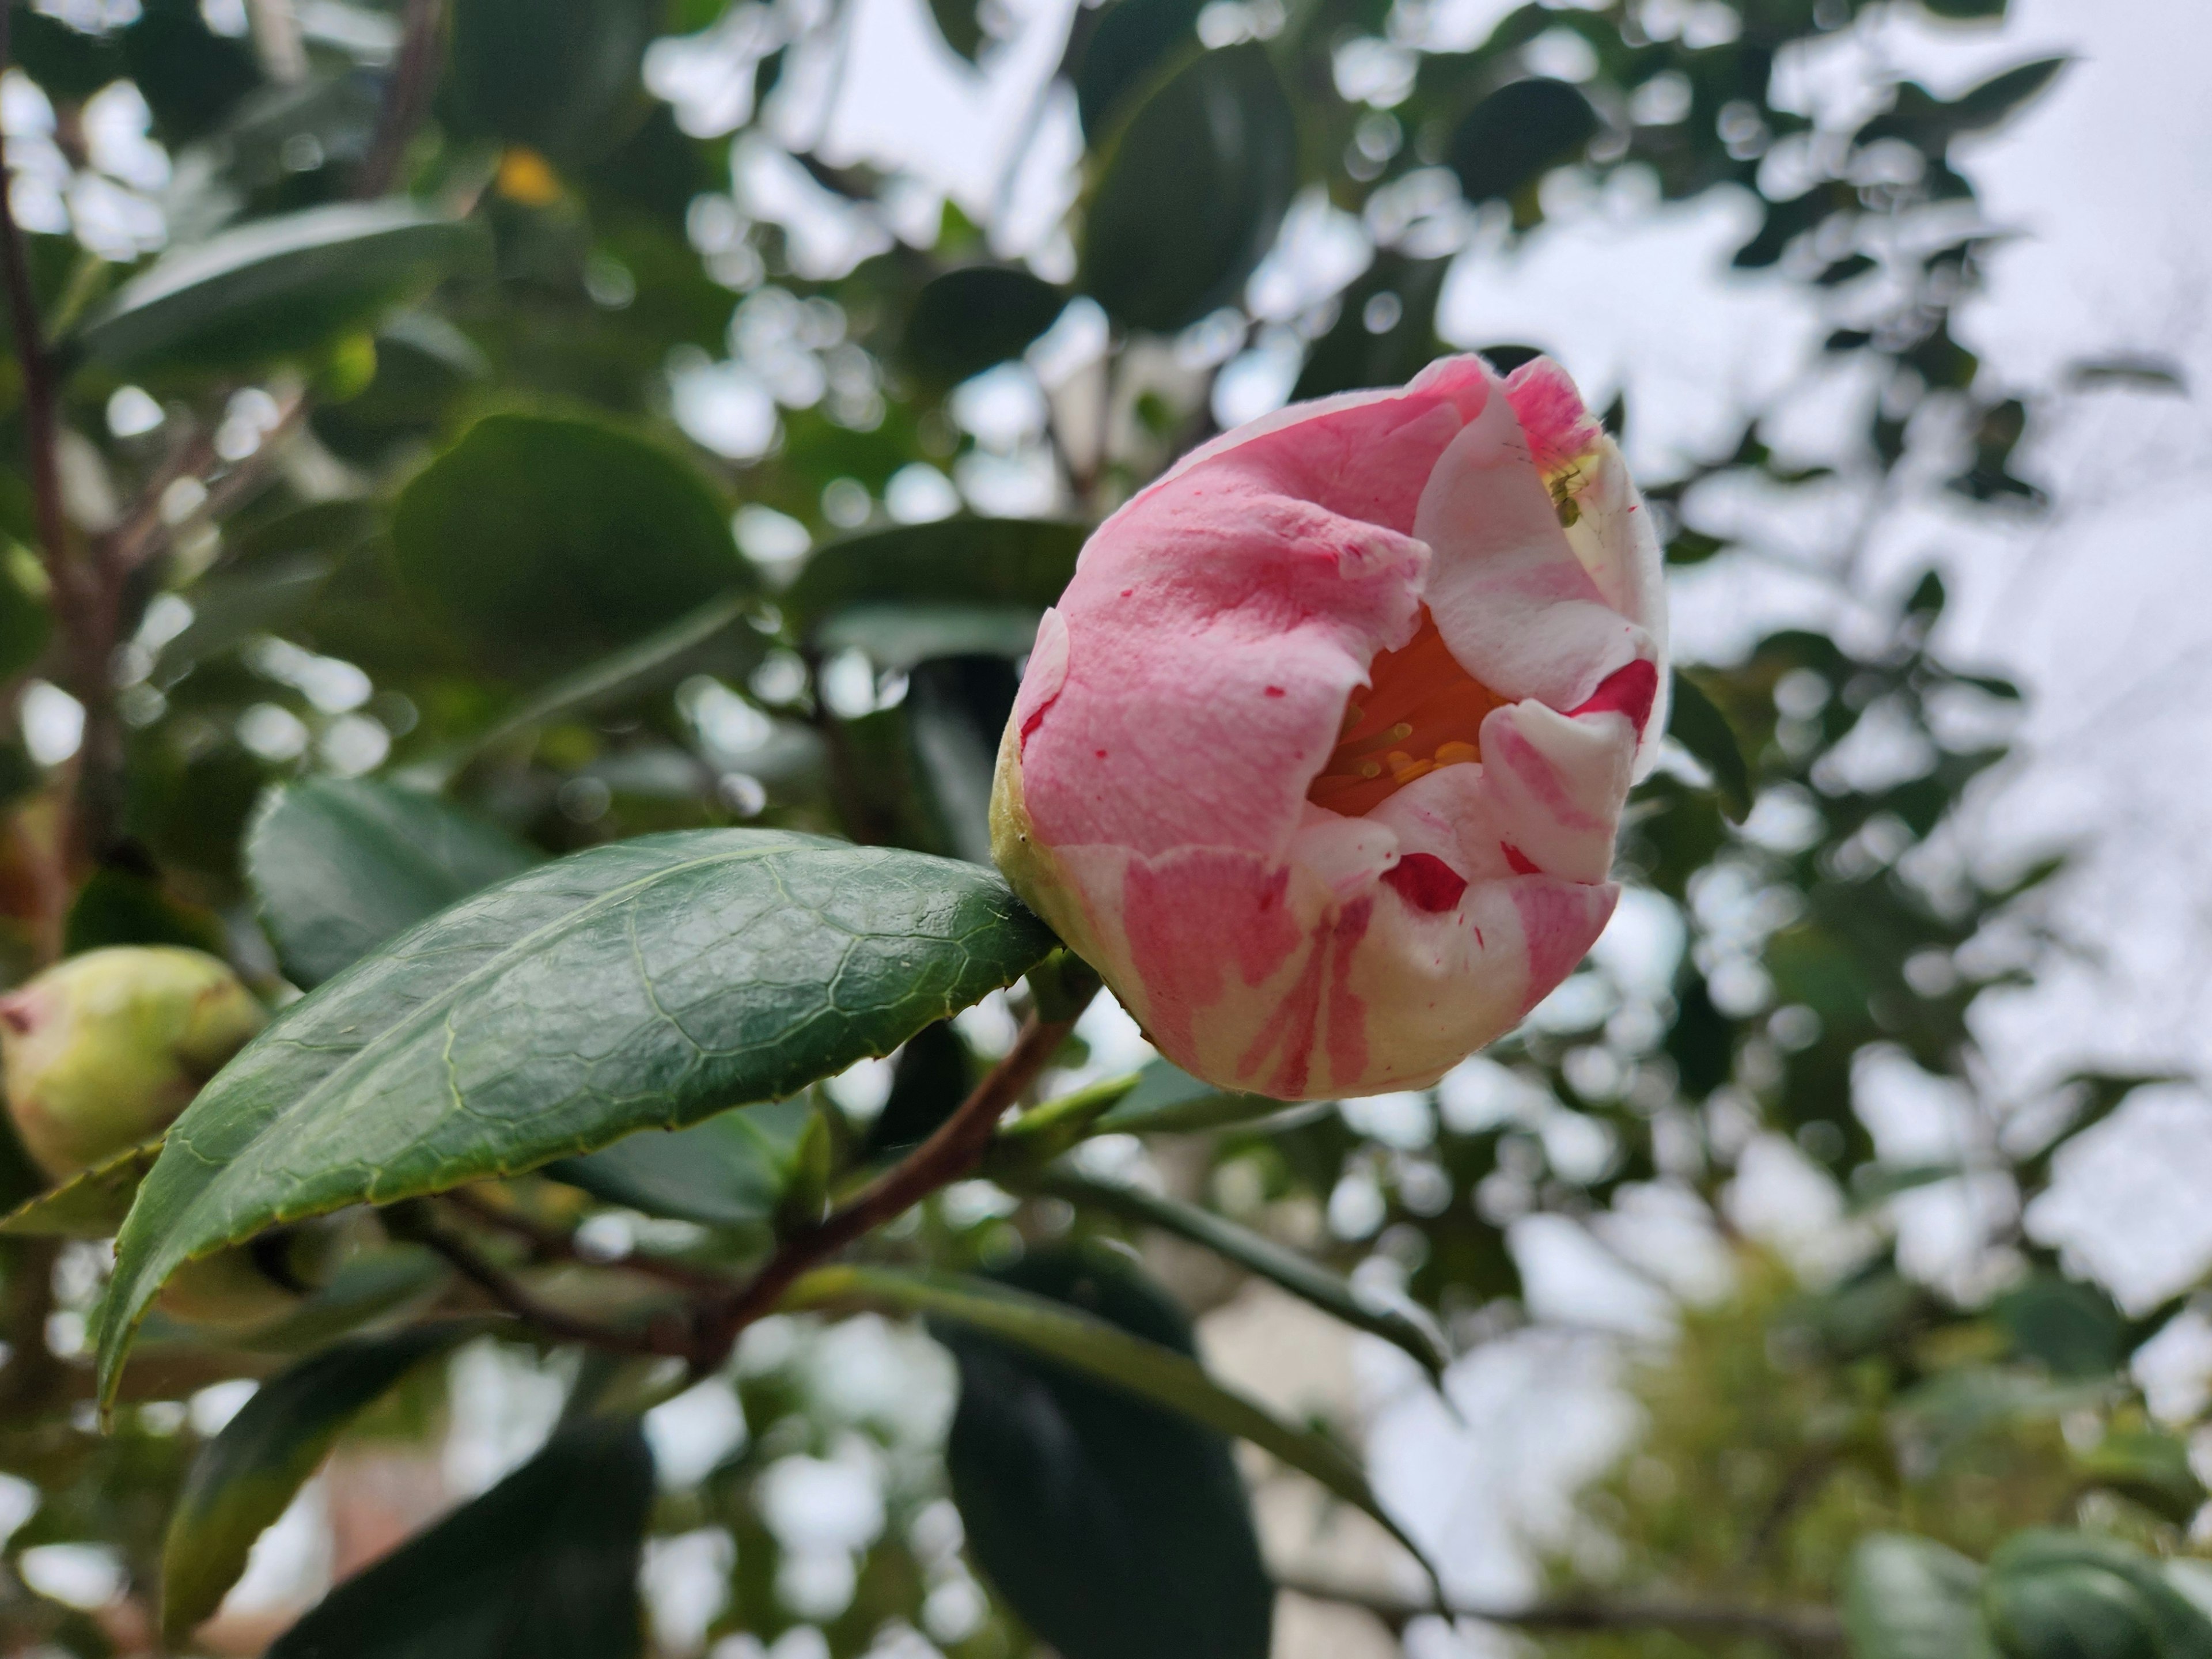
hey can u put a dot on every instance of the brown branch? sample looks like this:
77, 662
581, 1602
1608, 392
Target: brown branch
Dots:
952, 1151
406, 101
555, 1244
659, 1339
1804, 1629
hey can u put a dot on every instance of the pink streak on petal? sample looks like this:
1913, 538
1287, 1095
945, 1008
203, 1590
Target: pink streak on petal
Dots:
1518, 862
1559, 427
1347, 1012
1188, 917
1292, 1023
1630, 691
1560, 921
1425, 882
1503, 740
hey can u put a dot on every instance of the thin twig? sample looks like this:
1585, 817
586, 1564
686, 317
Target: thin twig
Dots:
406, 100
657, 1338
555, 1244
954, 1149
1813, 1630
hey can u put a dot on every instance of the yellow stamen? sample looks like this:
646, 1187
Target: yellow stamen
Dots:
1456, 754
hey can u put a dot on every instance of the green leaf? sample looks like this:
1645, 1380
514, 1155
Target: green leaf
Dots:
711, 637
1516, 135
548, 541
2052, 1594
1930, 122
957, 21
965, 320
1399, 293
1910, 1598
2071, 1328
2149, 1465
1193, 192
931, 1077
1116, 51
1255, 1254
90, 1204
1170, 1100
279, 287
644, 984
898, 636
1698, 726
339, 866
243, 1479
1016, 563
956, 709
558, 76
544, 1565
727, 1172
1117, 1530
1096, 1348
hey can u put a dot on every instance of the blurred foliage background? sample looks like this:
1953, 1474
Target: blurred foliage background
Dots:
444, 435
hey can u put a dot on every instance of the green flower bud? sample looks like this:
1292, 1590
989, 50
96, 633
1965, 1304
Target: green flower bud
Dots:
101, 1051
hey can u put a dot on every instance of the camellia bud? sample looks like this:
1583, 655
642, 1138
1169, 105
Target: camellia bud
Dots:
102, 1051
1320, 757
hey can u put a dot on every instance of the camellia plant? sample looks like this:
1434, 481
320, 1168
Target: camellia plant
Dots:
605, 682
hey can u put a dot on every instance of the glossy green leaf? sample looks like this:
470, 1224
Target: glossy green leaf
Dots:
1910, 1598
956, 709
1256, 1253
558, 76
1696, 722
547, 541
1512, 137
1168, 1100
727, 1172
1096, 1348
243, 1479
1117, 1530
1116, 51
1194, 190
2051, 1594
340, 866
712, 638
965, 320
645, 984
90, 1204
279, 287
545, 1565
931, 1077
1015, 563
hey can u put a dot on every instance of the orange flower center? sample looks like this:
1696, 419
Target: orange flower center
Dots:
1421, 710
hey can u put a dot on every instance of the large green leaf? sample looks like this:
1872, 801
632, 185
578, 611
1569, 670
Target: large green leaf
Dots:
1912, 1598
1256, 1253
967, 319
542, 1566
1000, 563
1168, 1100
1090, 1345
1696, 722
2052, 1594
729, 1171
90, 1204
1506, 141
1117, 1529
278, 287
1116, 51
558, 76
243, 1479
341, 865
1194, 190
549, 541
645, 984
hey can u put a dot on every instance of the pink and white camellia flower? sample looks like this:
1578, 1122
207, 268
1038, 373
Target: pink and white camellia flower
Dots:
1319, 759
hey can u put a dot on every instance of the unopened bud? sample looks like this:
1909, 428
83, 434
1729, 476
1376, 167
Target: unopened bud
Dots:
103, 1051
